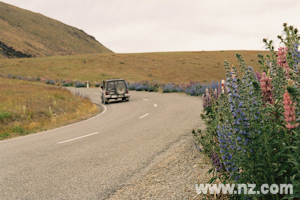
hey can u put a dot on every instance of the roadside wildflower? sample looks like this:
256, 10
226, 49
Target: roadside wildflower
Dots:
219, 89
258, 76
226, 146
289, 112
266, 87
216, 161
206, 98
296, 57
216, 94
281, 58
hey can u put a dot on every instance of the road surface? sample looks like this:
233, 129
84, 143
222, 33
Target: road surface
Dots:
94, 158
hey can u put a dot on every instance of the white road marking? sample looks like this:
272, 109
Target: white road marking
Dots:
145, 99
155, 105
78, 138
141, 117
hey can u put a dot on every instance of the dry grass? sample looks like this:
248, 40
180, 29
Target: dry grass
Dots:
35, 34
174, 67
27, 107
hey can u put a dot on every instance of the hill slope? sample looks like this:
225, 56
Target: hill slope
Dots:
27, 34
165, 67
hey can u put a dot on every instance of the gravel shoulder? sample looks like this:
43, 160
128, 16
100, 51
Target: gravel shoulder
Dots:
172, 178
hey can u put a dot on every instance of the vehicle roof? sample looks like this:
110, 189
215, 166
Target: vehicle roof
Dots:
115, 80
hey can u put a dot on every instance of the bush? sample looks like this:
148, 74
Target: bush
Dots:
67, 83
4, 135
192, 88
18, 129
79, 84
171, 87
252, 132
144, 86
20, 78
50, 82
97, 84
5, 116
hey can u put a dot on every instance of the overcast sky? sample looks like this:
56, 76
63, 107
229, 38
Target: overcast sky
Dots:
129, 26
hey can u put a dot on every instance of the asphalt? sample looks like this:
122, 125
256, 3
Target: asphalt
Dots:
95, 158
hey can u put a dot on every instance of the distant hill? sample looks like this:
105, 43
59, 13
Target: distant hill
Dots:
165, 67
27, 34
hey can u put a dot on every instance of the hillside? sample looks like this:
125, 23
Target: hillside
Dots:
165, 67
27, 34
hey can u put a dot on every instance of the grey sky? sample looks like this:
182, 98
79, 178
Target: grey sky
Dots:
128, 26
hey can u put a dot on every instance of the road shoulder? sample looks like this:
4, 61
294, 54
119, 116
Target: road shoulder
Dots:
172, 178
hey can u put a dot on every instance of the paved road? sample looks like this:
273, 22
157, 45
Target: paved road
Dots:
94, 158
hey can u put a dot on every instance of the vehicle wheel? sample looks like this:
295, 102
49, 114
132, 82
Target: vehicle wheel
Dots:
120, 89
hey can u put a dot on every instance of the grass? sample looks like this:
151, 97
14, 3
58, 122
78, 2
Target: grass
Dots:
27, 107
35, 34
175, 67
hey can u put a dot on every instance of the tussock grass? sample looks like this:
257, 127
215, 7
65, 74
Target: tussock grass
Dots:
27, 107
35, 34
175, 67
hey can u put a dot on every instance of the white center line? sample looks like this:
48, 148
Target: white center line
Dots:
145, 99
155, 105
141, 117
78, 138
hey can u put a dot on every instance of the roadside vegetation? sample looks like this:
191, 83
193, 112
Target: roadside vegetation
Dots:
191, 88
27, 107
252, 127
168, 67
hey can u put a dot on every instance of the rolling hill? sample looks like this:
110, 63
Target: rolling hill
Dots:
27, 34
176, 67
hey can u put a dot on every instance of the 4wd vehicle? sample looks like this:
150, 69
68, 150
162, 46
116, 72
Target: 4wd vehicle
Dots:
114, 89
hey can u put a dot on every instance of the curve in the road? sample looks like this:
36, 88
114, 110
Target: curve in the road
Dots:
94, 158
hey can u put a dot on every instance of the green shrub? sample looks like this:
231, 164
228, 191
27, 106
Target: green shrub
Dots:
5, 116
4, 135
18, 129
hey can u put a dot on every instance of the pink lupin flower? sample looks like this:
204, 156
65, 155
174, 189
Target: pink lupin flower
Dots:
281, 59
289, 112
206, 98
258, 76
266, 87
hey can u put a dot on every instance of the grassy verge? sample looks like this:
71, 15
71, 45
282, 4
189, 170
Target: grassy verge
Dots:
168, 67
27, 107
